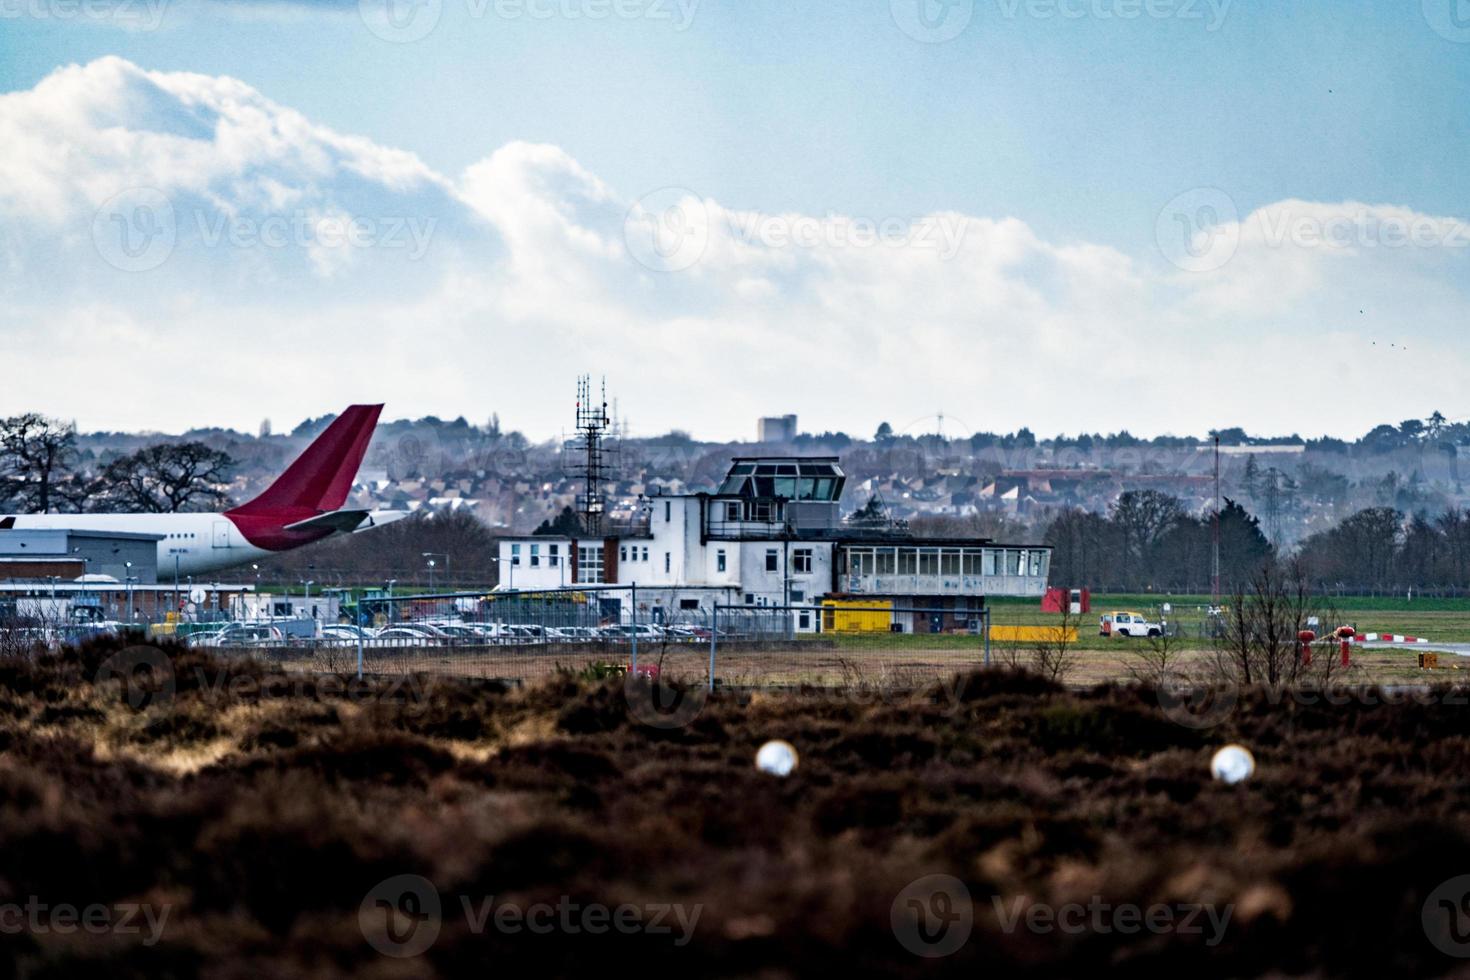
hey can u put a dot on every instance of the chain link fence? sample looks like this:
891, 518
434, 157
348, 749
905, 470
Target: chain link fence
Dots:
686, 634
880, 645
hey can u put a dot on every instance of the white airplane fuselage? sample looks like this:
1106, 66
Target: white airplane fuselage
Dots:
192, 544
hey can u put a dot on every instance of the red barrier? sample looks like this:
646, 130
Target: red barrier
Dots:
1306, 636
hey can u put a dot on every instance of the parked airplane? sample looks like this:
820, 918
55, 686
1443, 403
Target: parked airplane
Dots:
303, 506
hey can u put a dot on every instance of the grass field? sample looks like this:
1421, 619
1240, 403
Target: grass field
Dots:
1444, 620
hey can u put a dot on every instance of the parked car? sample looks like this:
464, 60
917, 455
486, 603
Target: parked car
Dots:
426, 630
242, 635
405, 636
461, 632
537, 632
626, 631
1129, 624
348, 633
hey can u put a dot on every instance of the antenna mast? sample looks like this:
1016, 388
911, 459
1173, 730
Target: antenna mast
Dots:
1215, 544
592, 424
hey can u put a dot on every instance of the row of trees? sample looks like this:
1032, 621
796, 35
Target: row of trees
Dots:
1380, 550
40, 473
1147, 541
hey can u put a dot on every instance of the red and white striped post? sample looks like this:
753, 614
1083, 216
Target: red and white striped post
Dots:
1346, 634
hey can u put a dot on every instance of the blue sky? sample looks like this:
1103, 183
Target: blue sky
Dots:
1080, 125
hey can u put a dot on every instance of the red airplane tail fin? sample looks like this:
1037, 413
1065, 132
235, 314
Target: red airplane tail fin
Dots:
322, 475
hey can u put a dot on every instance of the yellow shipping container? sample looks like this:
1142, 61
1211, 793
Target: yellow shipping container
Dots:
846, 616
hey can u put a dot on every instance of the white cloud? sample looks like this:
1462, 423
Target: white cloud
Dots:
307, 268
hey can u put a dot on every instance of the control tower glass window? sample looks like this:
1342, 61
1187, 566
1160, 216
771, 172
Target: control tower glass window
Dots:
791, 479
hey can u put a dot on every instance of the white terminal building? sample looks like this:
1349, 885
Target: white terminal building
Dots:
772, 535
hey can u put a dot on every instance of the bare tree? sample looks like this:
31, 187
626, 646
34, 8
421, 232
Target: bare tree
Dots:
36, 454
1159, 659
165, 479
1259, 640
1054, 656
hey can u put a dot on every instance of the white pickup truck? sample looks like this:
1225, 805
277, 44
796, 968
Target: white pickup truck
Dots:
1128, 624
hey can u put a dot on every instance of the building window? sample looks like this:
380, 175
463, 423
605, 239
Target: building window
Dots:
535, 556
720, 560
798, 595
515, 554
589, 564
645, 554
622, 553
801, 561
749, 599
1013, 562
688, 604
668, 511
732, 512
760, 510
773, 560
554, 555
668, 562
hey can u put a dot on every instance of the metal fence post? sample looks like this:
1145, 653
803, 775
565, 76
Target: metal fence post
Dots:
985, 625
714, 633
634, 600
359, 639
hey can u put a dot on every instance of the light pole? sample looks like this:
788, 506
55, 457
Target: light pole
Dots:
431, 555
128, 586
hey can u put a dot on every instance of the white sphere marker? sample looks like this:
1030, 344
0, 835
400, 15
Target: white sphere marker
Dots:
1233, 764
777, 758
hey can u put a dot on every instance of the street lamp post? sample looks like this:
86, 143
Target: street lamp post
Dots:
128, 587
431, 555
